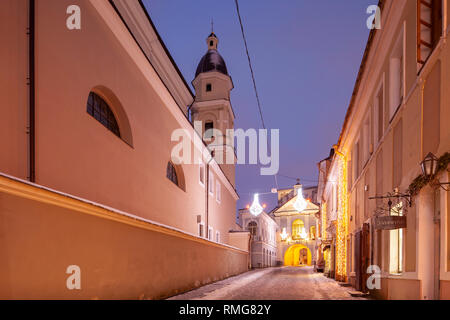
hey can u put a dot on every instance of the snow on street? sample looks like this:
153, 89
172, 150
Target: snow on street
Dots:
285, 283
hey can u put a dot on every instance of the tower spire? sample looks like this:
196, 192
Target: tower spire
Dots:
212, 40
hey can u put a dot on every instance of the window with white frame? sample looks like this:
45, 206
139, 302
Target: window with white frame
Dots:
202, 174
201, 230
210, 233
396, 244
396, 76
211, 183
217, 236
218, 191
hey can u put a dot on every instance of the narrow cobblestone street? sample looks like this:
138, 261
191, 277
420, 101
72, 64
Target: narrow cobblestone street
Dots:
286, 283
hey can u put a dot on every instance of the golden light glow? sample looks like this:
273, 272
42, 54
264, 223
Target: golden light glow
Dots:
297, 227
295, 256
324, 220
342, 220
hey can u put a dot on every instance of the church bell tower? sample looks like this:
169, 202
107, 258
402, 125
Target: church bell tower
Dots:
212, 106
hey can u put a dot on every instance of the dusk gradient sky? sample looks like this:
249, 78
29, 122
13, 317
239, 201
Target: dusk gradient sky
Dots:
305, 54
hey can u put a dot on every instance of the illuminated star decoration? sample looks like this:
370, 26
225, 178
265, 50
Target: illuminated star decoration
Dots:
256, 209
300, 204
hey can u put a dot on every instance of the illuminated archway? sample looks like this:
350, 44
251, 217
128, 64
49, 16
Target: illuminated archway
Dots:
293, 255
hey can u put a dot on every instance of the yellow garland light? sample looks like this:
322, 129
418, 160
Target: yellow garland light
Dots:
342, 221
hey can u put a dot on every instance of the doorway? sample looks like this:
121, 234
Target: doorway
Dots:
362, 256
297, 255
303, 257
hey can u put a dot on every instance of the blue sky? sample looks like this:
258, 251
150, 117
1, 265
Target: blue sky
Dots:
305, 55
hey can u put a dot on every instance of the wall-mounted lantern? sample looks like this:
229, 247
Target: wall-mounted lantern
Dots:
429, 167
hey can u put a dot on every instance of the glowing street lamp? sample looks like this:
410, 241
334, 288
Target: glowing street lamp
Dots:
300, 204
303, 234
429, 167
256, 209
284, 235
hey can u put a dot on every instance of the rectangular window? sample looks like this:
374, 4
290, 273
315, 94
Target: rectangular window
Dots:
366, 140
218, 191
397, 154
211, 183
218, 236
209, 126
379, 115
201, 233
202, 174
210, 233
357, 218
357, 161
396, 72
208, 87
429, 28
396, 244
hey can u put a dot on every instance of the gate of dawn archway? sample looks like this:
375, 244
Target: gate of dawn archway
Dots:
297, 255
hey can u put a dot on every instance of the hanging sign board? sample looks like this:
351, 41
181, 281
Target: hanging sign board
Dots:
390, 222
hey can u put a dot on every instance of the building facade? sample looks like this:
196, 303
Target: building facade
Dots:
399, 113
91, 112
263, 234
327, 219
297, 231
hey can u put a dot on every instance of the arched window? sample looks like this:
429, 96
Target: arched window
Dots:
99, 109
297, 227
172, 173
252, 226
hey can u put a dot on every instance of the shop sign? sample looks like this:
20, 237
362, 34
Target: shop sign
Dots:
390, 222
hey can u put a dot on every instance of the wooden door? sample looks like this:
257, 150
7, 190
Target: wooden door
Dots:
358, 275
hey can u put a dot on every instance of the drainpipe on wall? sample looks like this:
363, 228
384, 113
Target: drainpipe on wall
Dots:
32, 94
